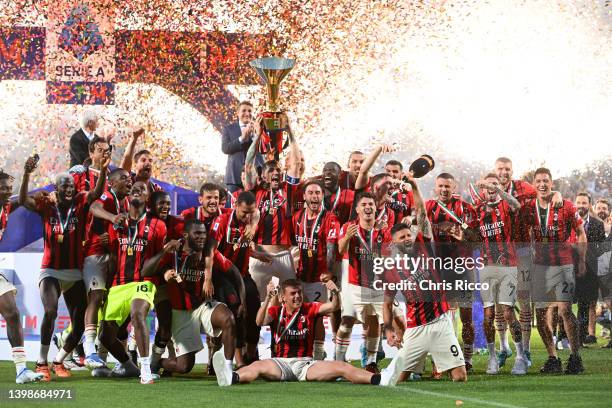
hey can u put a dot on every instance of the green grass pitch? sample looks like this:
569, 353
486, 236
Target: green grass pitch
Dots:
590, 389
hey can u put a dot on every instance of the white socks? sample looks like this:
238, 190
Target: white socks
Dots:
145, 367
44, 354
90, 339
343, 339
19, 357
60, 356
491, 348
371, 344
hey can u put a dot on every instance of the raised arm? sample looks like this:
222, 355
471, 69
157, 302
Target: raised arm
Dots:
296, 155
364, 173
329, 307
343, 243
419, 204
126, 161
514, 204
24, 199
263, 318
249, 162
97, 192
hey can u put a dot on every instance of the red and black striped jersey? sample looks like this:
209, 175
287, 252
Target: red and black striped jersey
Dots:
551, 229
132, 245
98, 226
7, 208
424, 303
447, 246
311, 240
293, 334
227, 230
523, 192
64, 232
85, 178
341, 203
402, 204
496, 221
363, 248
186, 294
276, 210
385, 216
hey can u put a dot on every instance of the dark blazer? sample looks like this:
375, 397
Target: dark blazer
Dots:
596, 236
236, 153
79, 148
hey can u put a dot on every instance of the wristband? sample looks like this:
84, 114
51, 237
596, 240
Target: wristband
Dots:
293, 180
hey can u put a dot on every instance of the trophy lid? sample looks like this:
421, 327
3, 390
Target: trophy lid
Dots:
272, 69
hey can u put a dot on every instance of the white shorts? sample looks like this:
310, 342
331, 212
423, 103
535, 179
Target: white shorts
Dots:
502, 285
94, 272
187, 325
437, 338
66, 277
261, 272
293, 369
552, 284
314, 292
6, 286
359, 302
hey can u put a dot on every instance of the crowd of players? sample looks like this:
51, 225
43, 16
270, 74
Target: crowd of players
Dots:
114, 251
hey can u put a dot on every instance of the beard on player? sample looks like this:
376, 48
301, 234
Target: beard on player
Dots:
196, 237
161, 205
121, 184
210, 202
65, 188
403, 242
313, 203
6, 190
272, 177
139, 194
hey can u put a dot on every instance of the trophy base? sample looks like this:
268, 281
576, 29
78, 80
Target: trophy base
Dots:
273, 121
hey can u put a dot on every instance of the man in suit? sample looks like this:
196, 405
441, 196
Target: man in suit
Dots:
587, 287
602, 209
235, 142
79, 142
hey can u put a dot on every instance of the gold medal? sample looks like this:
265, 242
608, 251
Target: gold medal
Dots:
60, 238
272, 211
310, 253
130, 251
236, 246
545, 240
464, 226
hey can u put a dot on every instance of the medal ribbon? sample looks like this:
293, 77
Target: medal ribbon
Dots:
314, 228
450, 213
228, 234
363, 241
64, 223
132, 240
278, 336
543, 231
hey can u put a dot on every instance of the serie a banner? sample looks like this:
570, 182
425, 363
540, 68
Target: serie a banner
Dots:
82, 54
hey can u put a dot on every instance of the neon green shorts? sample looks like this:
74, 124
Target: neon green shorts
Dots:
119, 301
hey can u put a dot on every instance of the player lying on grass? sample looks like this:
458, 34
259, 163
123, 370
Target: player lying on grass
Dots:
292, 324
